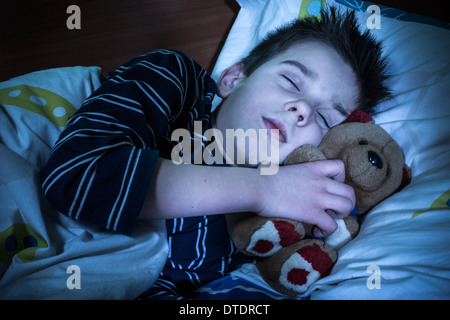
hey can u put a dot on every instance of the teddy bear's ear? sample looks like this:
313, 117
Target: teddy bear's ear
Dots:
406, 179
359, 116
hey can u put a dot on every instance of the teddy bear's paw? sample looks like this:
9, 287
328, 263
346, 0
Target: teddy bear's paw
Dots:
272, 236
345, 232
312, 261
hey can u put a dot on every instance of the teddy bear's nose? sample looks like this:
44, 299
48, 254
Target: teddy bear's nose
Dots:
375, 159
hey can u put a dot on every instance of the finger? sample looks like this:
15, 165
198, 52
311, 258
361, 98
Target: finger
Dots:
317, 232
325, 226
333, 214
341, 197
338, 206
333, 169
339, 188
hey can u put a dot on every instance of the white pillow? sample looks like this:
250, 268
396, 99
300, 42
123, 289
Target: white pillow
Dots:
399, 247
408, 254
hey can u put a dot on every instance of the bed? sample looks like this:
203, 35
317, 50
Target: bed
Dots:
401, 252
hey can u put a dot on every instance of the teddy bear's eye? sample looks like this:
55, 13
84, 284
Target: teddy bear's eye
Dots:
375, 159
363, 143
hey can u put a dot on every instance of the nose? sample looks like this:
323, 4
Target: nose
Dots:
301, 110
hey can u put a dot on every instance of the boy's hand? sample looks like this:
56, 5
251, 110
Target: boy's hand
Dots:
312, 192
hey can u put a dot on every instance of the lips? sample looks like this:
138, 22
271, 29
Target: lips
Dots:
275, 124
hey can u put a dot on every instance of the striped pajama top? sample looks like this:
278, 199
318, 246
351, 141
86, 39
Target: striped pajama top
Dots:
101, 167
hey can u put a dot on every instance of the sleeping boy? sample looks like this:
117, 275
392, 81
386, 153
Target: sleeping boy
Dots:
112, 164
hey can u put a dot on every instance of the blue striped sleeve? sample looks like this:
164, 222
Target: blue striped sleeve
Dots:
101, 167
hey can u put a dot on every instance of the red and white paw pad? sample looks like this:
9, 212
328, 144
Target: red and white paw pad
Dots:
271, 237
304, 267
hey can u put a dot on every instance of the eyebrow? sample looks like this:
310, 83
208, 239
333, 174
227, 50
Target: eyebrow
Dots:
313, 76
340, 108
303, 69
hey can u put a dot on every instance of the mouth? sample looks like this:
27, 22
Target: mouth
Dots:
274, 124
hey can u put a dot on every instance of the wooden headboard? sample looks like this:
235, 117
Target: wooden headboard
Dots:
34, 34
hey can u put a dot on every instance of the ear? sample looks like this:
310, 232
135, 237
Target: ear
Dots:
227, 80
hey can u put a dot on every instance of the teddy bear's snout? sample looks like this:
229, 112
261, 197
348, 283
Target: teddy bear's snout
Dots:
366, 166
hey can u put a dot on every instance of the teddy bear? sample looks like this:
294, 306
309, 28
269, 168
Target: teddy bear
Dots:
288, 258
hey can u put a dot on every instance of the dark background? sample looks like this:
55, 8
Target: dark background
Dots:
34, 35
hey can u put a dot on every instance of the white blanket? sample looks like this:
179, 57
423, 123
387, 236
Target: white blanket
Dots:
44, 254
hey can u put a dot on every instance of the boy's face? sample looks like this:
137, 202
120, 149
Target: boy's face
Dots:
303, 92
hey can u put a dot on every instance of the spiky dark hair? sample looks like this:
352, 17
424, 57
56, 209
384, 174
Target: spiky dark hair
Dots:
340, 30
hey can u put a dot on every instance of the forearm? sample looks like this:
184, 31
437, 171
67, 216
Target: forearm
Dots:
304, 192
191, 190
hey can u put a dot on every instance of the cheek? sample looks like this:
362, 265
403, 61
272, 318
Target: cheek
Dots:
246, 106
237, 114
240, 99
313, 136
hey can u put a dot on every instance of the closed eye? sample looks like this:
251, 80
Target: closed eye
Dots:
324, 120
291, 82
